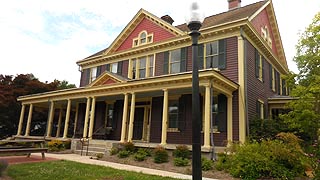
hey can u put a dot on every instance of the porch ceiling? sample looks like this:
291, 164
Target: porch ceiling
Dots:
177, 83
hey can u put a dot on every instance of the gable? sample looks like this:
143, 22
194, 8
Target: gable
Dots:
107, 78
261, 23
151, 28
264, 19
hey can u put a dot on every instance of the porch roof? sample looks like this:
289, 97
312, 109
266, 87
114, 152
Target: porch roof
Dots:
171, 81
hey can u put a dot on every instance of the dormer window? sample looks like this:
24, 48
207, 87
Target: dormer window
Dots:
266, 35
143, 38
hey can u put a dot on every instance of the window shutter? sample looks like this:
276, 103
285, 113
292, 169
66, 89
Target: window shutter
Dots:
200, 56
257, 60
270, 75
98, 71
262, 69
108, 67
119, 70
183, 61
166, 63
182, 111
222, 113
222, 54
278, 82
87, 71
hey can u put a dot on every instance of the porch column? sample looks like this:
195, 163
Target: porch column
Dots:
51, 116
242, 98
76, 120
124, 118
229, 120
66, 122
207, 110
59, 123
133, 103
21, 119
164, 117
29, 120
86, 119
93, 107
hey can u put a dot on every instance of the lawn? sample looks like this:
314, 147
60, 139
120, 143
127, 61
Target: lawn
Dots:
72, 170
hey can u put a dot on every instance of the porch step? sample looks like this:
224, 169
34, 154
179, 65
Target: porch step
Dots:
95, 147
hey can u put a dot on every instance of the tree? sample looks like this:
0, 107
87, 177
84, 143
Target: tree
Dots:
304, 118
12, 87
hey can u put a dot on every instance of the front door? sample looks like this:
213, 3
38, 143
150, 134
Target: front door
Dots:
138, 123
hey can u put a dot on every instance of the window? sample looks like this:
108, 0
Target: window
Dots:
142, 67
273, 78
173, 114
115, 67
175, 61
278, 82
93, 74
109, 115
284, 87
214, 55
266, 35
151, 66
219, 113
260, 109
143, 38
259, 65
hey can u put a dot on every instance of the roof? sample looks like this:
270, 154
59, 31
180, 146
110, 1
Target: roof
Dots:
228, 16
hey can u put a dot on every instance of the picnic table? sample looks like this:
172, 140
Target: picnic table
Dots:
22, 146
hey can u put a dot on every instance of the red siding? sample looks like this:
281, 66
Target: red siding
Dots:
256, 89
231, 70
159, 33
262, 20
109, 81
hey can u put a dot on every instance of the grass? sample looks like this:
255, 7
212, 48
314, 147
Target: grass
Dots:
72, 170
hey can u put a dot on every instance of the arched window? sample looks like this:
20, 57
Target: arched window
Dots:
143, 38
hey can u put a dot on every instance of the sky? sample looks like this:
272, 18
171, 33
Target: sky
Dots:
47, 37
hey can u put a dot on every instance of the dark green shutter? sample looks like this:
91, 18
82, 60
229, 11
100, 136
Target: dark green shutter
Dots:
262, 69
87, 71
166, 63
98, 71
182, 111
222, 54
183, 61
284, 90
257, 61
108, 67
119, 70
270, 75
200, 56
222, 113
258, 109
278, 82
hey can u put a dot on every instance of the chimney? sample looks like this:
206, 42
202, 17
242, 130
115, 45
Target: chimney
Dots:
233, 4
168, 19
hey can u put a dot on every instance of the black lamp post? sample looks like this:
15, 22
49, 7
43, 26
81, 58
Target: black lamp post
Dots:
194, 25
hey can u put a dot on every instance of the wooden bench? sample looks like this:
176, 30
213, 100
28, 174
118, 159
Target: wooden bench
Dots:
27, 151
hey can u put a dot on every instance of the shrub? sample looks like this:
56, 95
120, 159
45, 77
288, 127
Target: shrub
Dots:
223, 162
128, 146
160, 155
146, 151
206, 164
55, 145
114, 151
179, 161
139, 156
99, 155
3, 166
123, 154
267, 159
182, 151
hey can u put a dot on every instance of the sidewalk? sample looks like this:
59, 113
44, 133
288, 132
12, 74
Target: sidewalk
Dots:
87, 160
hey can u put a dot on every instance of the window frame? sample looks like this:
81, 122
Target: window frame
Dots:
221, 55
143, 38
259, 65
173, 100
135, 68
93, 74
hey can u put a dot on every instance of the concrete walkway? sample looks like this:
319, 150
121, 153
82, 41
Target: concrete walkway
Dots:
87, 160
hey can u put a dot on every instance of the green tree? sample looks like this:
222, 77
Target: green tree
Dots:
304, 118
23, 84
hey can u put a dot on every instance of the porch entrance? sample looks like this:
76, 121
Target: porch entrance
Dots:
141, 123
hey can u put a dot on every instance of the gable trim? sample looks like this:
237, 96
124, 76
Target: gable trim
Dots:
105, 76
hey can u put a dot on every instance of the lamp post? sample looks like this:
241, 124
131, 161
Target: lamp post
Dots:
194, 24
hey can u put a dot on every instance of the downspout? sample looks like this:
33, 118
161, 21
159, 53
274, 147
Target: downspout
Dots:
245, 80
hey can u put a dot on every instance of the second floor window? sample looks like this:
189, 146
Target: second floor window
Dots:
93, 74
175, 61
142, 67
259, 65
115, 68
212, 55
